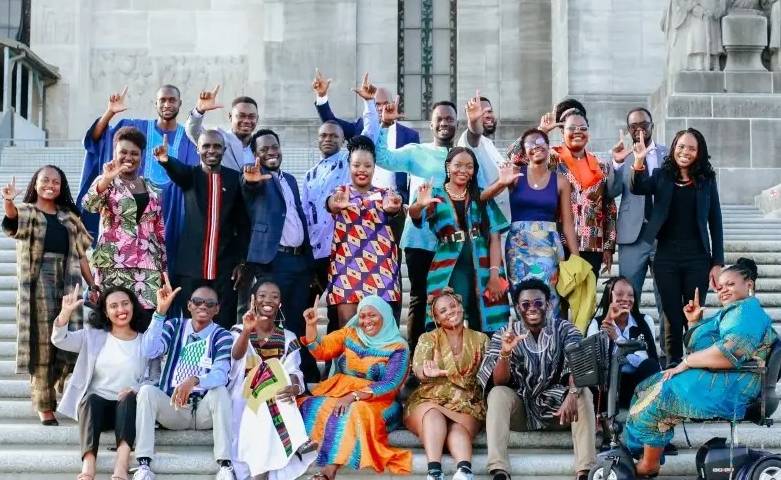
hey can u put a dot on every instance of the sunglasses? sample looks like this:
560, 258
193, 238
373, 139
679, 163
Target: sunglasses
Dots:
576, 129
198, 301
526, 304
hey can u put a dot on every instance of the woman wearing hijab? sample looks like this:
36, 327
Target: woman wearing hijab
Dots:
351, 413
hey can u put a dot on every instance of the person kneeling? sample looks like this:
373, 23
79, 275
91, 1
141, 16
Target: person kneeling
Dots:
529, 356
448, 405
101, 394
192, 391
270, 440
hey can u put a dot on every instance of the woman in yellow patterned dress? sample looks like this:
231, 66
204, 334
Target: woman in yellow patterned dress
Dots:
448, 405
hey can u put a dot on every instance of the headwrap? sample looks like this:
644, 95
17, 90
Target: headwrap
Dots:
388, 334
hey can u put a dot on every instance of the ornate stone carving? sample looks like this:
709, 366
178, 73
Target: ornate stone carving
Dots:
693, 34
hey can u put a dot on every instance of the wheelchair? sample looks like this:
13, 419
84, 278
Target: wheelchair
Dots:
592, 363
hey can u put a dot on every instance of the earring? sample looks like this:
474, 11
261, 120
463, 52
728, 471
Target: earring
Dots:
750, 291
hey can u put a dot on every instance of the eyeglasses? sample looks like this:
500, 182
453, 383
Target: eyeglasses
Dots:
198, 301
577, 128
540, 142
642, 125
526, 304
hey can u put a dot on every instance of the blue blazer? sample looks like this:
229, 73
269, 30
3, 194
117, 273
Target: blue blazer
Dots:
661, 185
404, 135
267, 211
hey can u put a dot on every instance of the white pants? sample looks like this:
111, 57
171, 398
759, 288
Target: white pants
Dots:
213, 411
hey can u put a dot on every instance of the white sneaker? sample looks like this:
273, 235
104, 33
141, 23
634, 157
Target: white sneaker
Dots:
463, 475
435, 477
225, 473
144, 473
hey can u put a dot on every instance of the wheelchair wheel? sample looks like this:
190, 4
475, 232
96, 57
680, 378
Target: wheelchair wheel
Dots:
619, 473
767, 469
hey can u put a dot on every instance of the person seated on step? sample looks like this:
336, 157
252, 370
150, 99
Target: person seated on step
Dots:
266, 377
351, 413
192, 391
101, 393
699, 387
620, 319
526, 380
447, 407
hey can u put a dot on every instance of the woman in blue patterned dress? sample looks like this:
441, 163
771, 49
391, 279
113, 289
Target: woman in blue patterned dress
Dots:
696, 388
538, 198
363, 253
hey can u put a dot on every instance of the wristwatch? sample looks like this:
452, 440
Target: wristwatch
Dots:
575, 391
356, 397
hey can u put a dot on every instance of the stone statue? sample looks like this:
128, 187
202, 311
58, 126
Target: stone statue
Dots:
775, 35
693, 33
745, 5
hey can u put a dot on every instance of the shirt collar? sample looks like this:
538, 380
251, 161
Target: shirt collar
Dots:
203, 333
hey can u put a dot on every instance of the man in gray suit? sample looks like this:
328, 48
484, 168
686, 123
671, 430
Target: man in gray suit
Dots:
635, 255
243, 117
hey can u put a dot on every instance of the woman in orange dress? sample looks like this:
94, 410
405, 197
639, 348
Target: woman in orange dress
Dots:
351, 413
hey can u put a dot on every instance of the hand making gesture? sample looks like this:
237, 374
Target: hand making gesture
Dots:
70, 302
510, 340
161, 151
250, 319
320, 84
692, 310
640, 149
391, 113
10, 192
113, 169
366, 90
207, 100
424, 197
166, 295
116, 102
339, 201
548, 121
474, 108
619, 150
253, 173
391, 202
431, 367
508, 174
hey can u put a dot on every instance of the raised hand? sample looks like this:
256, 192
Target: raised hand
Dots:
113, 169
424, 197
366, 90
390, 112
692, 310
391, 202
320, 84
548, 121
250, 319
510, 340
70, 302
474, 108
253, 173
10, 192
508, 174
166, 295
640, 149
116, 102
207, 100
340, 200
619, 150
310, 314
161, 151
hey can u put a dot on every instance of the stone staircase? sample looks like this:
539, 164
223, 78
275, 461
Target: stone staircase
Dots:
29, 450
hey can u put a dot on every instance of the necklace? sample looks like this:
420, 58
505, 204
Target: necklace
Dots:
131, 184
455, 196
684, 183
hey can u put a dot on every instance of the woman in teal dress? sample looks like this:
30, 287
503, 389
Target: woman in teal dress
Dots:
695, 388
468, 257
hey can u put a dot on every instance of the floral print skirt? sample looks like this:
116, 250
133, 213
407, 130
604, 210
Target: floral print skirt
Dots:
533, 250
144, 282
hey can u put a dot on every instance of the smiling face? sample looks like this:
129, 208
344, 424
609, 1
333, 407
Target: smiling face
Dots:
128, 154
489, 119
48, 184
461, 169
640, 122
575, 133
269, 153
685, 151
536, 148
167, 103
268, 300
244, 119
370, 321
448, 312
203, 306
119, 309
624, 295
532, 307
210, 148
361, 168
329, 139
733, 287
443, 123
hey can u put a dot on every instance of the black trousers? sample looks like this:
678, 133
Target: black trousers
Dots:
418, 264
677, 276
293, 275
595, 259
224, 287
629, 381
96, 415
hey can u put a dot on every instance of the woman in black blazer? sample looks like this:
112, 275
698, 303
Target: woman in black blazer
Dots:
686, 222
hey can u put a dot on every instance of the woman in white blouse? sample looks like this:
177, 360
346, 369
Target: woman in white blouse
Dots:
101, 394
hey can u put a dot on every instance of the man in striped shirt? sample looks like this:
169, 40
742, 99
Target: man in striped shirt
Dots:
192, 390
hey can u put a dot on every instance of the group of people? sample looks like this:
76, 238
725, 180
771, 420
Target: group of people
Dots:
204, 263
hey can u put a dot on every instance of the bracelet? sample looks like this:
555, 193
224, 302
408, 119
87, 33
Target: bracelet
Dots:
640, 169
493, 267
505, 356
686, 362
356, 397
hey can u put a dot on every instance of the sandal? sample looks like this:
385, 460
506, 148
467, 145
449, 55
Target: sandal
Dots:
500, 475
319, 476
85, 476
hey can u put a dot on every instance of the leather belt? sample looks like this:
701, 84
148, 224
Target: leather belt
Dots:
461, 236
291, 250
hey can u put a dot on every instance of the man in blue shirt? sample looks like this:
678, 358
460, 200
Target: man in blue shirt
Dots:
192, 391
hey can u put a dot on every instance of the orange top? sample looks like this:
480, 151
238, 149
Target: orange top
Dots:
585, 170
